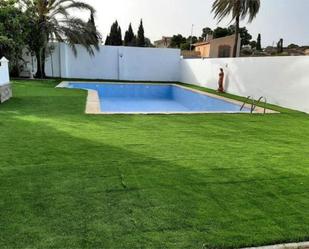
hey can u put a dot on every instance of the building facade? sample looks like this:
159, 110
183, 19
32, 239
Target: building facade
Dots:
217, 48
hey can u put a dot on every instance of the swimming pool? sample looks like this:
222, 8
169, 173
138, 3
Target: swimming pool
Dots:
155, 98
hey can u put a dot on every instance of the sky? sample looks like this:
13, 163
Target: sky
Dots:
287, 19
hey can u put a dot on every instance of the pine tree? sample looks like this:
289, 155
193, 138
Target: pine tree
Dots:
258, 43
141, 35
129, 39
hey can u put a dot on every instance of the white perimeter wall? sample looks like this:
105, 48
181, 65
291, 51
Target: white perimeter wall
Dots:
4, 72
116, 63
283, 81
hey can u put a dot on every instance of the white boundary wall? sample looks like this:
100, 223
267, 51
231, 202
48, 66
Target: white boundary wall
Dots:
115, 63
4, 72
283, 81
5, 86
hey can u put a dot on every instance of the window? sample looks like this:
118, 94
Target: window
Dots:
224, 51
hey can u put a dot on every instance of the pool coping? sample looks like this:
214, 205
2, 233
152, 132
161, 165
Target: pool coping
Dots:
93, 101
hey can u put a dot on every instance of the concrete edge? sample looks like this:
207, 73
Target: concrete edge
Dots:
93, 101
302, 245
63, 84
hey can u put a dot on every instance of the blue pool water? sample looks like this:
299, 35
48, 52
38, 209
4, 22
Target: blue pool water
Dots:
154, 98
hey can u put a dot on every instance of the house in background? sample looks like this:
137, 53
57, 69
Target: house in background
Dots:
165, 42
217, 48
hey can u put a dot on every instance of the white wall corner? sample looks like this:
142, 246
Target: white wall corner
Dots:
5, 87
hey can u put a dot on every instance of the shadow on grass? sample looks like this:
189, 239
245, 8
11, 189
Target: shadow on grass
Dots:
79, 185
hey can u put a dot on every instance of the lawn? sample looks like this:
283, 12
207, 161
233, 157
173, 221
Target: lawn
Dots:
70, 180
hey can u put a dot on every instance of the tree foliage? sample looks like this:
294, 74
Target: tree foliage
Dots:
253, 44
292, 46
183, 43
13, 32
177, 41
206, 31
6, 47
244, 35
221, 32
148, 43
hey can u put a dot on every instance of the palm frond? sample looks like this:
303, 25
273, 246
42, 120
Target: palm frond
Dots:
236, 8
81, 6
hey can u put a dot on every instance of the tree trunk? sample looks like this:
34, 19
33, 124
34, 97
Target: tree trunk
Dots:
236, 36
40, 58
43, 62
38, 65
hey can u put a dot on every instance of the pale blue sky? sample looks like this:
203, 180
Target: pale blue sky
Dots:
287, 19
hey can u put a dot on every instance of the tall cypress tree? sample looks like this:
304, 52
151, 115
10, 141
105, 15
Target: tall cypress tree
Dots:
108, 40
119, 37
141, 35
280, 46
114, 38
91, 24
129, 37
258, 43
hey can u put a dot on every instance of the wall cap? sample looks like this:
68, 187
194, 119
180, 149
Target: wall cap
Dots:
3, 59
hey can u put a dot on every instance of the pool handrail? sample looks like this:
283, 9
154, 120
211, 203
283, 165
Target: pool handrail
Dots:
246, 102
259, 101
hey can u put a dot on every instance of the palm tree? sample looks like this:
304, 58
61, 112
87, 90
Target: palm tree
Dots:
237, 9
50, 20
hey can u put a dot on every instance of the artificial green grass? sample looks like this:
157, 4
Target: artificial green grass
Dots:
70, 180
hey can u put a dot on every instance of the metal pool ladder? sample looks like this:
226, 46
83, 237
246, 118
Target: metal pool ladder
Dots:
254, 103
